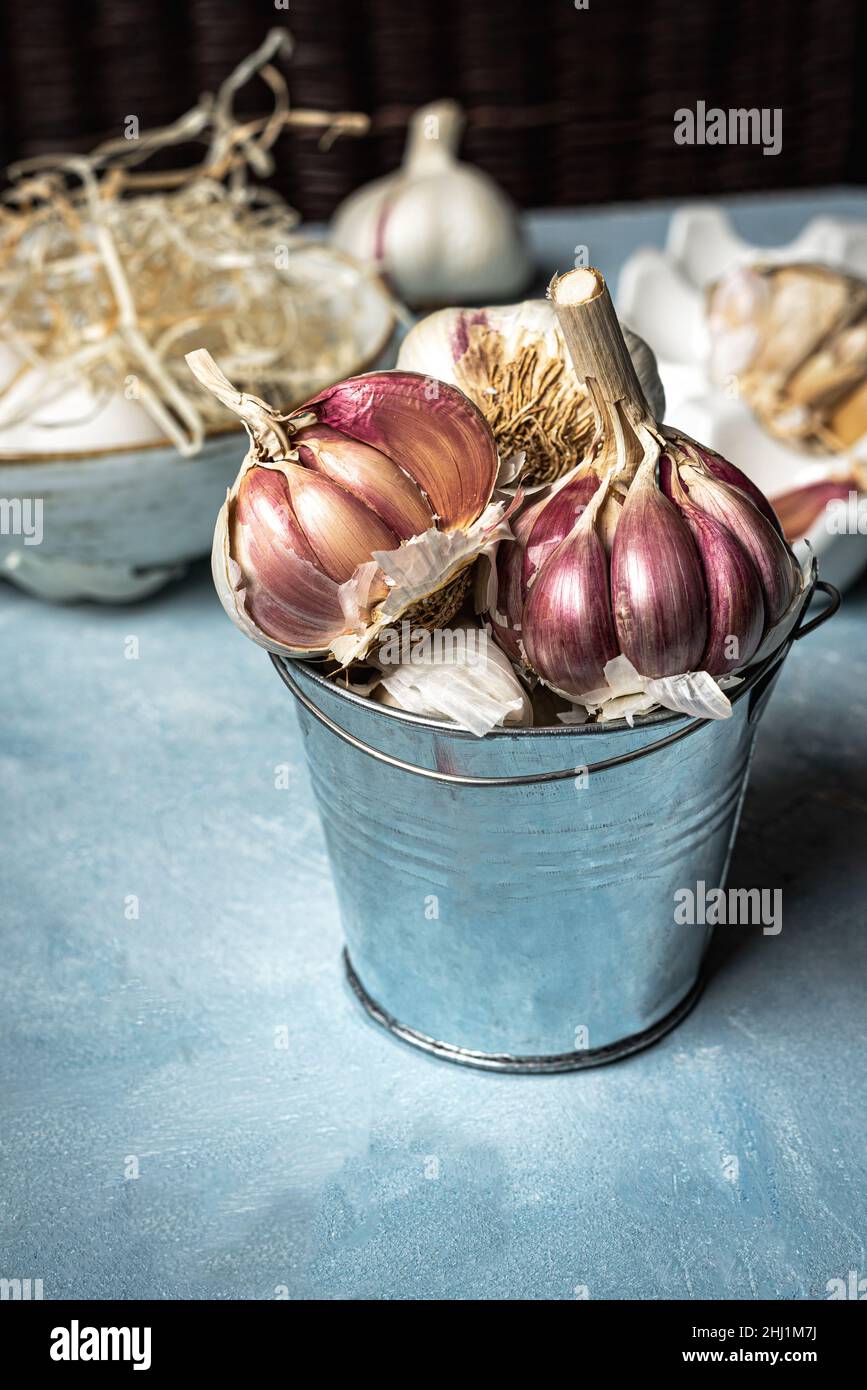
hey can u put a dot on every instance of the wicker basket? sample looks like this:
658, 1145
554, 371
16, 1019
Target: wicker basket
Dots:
565, 106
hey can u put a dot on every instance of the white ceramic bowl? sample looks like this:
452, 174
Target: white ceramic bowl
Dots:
662, 293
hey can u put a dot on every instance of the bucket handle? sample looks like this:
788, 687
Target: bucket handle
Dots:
561, 775
803, 629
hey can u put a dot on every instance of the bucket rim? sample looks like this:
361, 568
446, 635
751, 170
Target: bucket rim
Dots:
659, 720
614, 726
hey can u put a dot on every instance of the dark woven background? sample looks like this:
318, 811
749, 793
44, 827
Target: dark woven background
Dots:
564, 106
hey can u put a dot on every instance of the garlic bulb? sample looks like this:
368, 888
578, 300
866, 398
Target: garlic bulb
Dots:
651, 569
370, 501
440, 231
513, 362
795, 337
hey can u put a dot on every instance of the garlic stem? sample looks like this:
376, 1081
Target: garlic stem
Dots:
601, 359
262, 421
595, 339
433, 136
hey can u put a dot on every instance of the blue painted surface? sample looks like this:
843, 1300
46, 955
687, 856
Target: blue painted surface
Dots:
727, 1161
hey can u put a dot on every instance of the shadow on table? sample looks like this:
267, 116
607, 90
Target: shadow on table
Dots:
804, 825
809, 840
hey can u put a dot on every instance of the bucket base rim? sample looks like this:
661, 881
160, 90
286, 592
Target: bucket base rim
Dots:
525, 1065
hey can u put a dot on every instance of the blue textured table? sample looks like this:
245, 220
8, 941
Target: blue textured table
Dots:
194, 1106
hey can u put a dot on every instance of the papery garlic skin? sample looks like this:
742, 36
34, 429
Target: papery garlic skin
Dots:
475, 687
513, 363
511, 588
440, 231
307, 565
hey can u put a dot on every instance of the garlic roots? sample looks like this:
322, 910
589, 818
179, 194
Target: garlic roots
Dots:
514, 364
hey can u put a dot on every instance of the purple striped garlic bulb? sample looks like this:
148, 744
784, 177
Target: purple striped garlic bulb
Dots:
370, 501
653, 549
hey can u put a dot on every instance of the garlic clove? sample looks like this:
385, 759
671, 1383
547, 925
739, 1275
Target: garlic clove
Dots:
736, 608
505, 613
273, 519
557, 518
340, 530
657, 586
430, 429
777, 568
286, 606
263, 514
302, 614
369, 475
727, 472
567, 629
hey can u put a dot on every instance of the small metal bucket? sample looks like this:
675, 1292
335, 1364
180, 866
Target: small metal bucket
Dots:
508, 901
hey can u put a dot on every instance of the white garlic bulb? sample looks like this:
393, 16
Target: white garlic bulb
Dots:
513, 364
442, 232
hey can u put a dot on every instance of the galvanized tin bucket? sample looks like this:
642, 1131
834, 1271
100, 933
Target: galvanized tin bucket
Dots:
508, 901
